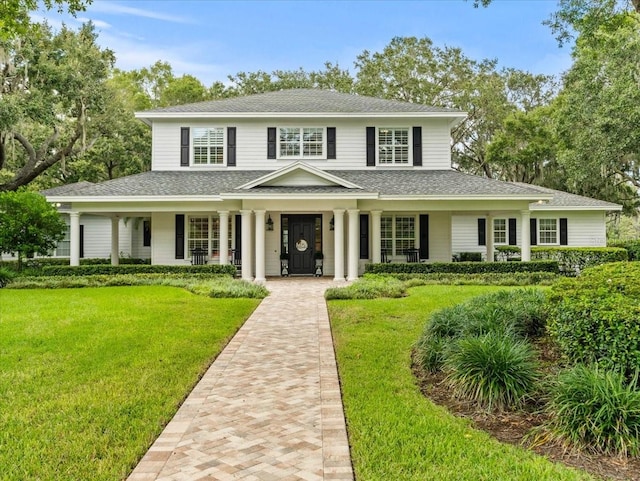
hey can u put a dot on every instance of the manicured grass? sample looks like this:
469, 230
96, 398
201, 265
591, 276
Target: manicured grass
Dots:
396, 433
88, 377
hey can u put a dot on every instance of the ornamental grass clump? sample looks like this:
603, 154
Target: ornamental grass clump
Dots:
596, 410
496, 371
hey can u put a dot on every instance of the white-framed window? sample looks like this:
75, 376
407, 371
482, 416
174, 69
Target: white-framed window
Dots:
63, 249
397, 233
499, 231
301, 142
393, 146
203, 232
208, 145
547, 231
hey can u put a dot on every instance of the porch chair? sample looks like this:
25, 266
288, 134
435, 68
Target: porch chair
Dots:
413, 255
236, 260
384, 256
198, 257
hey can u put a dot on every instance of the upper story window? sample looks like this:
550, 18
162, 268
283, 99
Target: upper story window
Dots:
393, 146
208, 145
296, 142
547, 231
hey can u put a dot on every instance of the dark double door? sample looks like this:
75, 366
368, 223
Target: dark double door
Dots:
302, 243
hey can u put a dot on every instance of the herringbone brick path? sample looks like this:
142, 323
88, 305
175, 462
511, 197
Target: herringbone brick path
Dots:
269, 407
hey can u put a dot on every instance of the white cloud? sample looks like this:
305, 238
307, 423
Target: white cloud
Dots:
111, 7
553, 63
97, 23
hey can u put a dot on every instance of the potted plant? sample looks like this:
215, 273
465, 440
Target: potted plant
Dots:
318, 256
284, 264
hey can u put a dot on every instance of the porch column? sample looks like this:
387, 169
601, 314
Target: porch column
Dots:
74, 241
525, 232
489, 238
338, 236
247, 268
353, 243
224, 237
260, 230
115, 240
376, 244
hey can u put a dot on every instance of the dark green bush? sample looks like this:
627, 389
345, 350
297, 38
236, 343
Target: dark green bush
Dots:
595, 318
632, 247
572, 260
6, 276
461, 267
489, 278
38, 263
494, 370
88, 270
597, 410
507, 253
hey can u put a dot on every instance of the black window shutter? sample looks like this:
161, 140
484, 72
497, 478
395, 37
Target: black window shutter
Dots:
482, 232
424, 236
564, 234
184, 147
238, 244
179, 236
533, 226
417, 146
81, 241
364, 236
231, 146
331, 142
271, 143
512, 232
371, 146
146, 233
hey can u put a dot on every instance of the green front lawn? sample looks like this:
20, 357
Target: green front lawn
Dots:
397, 434
88, 377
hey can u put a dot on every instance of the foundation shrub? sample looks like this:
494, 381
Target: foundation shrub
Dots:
573, 260
88, 270
597, 410
632, 247
595, 318
495, 370
487, 279
462, 267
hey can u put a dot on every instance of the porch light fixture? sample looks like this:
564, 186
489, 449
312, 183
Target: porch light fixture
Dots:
332, 223
269, 223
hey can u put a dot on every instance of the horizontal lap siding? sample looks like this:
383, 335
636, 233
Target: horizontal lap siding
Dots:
586, 229
439, 237
251, 149
163, 239
97, 236
464, 233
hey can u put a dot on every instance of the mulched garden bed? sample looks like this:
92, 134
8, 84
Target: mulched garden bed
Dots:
513, 428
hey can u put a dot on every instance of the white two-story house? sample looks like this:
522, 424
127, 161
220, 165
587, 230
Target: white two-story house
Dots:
290, 174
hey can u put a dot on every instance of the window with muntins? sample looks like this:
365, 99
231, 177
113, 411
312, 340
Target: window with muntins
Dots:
397, 234
393, 146
301, 142
63, 249
547, 231
204, 233
500, 231
208, 146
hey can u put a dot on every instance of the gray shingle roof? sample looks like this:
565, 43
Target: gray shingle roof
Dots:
301, 100
383, 182
564, 199
67, 188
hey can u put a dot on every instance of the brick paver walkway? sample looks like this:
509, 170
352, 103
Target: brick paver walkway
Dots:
269, 407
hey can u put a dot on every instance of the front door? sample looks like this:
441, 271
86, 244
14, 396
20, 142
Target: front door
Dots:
302, 241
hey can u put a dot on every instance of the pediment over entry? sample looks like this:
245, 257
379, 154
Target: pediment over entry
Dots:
299, 174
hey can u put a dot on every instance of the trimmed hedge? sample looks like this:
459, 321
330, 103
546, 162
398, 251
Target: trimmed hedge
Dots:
462, 267
595, 318
572, 260
632, 247
225, 269
40, 262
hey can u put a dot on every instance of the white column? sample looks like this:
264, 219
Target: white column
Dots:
247, 268
338, 236
260, 231
376, 244
74, 241
353, 244
224, 236
525, 232
115, 240
489, 238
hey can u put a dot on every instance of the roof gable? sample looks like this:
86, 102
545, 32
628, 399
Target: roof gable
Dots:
299, 174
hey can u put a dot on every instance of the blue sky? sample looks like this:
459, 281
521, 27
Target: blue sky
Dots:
211, 39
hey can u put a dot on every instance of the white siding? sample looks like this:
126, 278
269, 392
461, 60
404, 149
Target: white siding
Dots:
163, 234
251, 148
439, 237
585, 229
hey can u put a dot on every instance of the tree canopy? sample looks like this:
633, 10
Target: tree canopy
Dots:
14, 15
